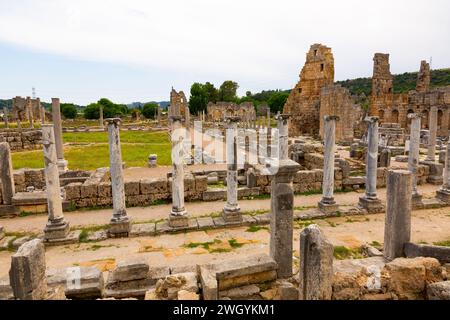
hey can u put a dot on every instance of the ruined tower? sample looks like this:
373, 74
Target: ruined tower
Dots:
382, 90
178, 104
423, 77
303, 102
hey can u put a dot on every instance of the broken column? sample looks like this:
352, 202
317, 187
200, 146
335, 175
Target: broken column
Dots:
6, 174
432, 124
178, 216
56, 113
232, 211
282, 125
102, 125
5, 117
397, 227
120, 222
30, 113
413, 157
27, 273
282, 210
327, 202
316, 265
443, 193
57, 227
370, 201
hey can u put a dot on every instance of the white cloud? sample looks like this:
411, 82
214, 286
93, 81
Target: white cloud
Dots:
258, 43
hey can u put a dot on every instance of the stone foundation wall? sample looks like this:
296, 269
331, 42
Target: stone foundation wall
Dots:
22, 139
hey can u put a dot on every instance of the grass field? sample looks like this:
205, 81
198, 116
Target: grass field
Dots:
89, 150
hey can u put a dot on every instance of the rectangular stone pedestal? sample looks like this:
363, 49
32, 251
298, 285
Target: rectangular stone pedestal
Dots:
416, 202
328, 207
232, 216
119, 229
54, 232
371, 205
443, 196
72, 237
178, 221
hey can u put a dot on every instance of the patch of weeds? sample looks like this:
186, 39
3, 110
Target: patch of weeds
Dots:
72, 207
25, 214
204, 245
235, 244
445, 243
367, 219
302, 208
219, 250
343, 190
341, 253
375, 244
95, 247
218, 184
83, 236
158, 202
331, 223
302, 223
349, 220
255, 228
256, 212
86, 230
308, 193
260, 196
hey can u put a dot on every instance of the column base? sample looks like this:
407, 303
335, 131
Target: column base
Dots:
178, 221
119, 228
58, 230
62, 165
232, 214
328, 205
443, 195
371, 205
416, 201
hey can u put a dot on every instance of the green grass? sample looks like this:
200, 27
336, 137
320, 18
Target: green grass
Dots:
445, 243
89, 150
341, 253
256, 228
234, 243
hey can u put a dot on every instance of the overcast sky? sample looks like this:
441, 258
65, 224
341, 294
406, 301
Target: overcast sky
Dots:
135, 50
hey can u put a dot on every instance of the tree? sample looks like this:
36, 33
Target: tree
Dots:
277, 101
211, 92
198, 99
227, 91
110, 109
92, 111
149, 110
69, 110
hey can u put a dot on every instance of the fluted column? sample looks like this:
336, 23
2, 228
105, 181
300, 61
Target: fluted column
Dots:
56, 113
283, 138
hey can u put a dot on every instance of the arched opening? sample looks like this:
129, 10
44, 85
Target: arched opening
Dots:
394, 116
425, 119
439, 118
381, 115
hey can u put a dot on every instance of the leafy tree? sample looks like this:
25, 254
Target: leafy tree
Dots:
149, 110
227, 91
277, 101
211, 92
92, 111
199, 98
68, 110
110, 109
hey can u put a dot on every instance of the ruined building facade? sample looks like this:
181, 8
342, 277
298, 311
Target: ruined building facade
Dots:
22, 108
315, 95
220, 110
394, 108
178, 104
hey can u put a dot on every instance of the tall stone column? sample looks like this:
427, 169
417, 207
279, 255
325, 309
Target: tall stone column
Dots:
432, 125
232, 211
397, 228
56, 113
5, 117
327, 202
370, 201
30, 113
57, 227
283, 138
413, 157
158, 115
6, 174
120, 222
102, 123
444, 192
178, 216
282, 210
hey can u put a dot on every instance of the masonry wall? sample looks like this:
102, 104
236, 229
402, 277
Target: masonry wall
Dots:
22, 139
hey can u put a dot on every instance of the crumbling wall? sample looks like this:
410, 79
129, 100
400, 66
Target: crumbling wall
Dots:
220, 110
22, 139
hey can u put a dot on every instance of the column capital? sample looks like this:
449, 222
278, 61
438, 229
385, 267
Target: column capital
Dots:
329, 118
283, 116
414, 116
115, 121
372, 119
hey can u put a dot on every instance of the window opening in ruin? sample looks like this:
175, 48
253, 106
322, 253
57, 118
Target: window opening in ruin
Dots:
321, 67
315, 52
299, 90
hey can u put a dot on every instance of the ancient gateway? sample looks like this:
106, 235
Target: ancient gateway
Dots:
316, 95
220, 110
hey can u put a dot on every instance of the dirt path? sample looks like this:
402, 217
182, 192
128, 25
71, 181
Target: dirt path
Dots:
36, 223
174, 250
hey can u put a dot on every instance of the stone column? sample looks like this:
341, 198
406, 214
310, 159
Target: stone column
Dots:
178, 216
120, 222
57, 227
158, 115
6, 174
413, 157
232, 211
432, 125
5, 117
198, 142
282, 210
102, 123
283, 145
56, 113
327, 203
370, 201
30, 113
397, 228
444, 192
316, 265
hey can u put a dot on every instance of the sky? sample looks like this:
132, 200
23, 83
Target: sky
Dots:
136, 50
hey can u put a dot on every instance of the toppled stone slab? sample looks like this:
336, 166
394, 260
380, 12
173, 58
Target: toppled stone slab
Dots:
78, 282
143, 229
169, 287
128, 270
239, 293
441, 253
20, 241
439, 291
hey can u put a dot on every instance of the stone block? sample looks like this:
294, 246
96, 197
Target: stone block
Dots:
128, 270
73, 191
104, 190
441, 253
27, 273
89, 190
153, 186
201, 183
132, 188
439, 291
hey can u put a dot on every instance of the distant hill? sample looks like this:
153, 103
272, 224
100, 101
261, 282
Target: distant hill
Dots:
139, 105
402, 82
